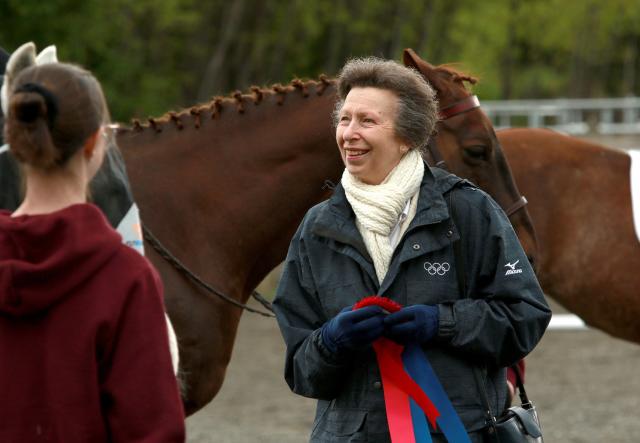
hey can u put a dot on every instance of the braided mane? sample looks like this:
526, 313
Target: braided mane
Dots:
456, 75
236, 99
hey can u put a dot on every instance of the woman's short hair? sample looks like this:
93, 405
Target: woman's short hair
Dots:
417, 111
53, 109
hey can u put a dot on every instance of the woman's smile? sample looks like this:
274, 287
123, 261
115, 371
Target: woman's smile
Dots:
354, 155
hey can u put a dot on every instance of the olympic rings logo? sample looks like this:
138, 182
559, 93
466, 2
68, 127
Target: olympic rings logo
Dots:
436, 268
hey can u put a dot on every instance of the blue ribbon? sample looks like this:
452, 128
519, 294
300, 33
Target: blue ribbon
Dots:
420, 425
418, 367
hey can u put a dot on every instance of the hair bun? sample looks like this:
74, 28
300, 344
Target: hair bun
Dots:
29, 108
32, 111
39, 102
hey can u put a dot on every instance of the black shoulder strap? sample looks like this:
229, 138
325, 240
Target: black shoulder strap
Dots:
457, 245
462, 286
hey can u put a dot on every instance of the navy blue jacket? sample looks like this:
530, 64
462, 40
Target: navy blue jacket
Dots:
498, 321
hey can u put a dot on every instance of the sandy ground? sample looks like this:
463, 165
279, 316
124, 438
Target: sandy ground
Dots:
584, 383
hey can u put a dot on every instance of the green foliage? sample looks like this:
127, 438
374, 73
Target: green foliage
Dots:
156, 55
136, 49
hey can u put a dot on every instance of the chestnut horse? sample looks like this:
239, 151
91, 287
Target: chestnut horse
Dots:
224, 186
580, 202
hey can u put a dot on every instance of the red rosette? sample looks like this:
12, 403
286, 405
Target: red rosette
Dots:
375, 300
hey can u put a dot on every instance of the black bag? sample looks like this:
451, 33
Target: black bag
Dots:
519, 424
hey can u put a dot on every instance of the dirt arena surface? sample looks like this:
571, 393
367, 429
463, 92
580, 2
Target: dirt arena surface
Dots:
584, 383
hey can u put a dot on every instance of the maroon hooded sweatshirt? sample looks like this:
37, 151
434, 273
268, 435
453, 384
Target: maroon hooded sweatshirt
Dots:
84, 351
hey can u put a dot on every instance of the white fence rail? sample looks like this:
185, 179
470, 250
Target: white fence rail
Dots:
574, 116
566, 322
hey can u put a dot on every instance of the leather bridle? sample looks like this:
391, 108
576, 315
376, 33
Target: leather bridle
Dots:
465, 105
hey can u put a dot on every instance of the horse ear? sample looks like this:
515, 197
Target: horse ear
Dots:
47, 55
22, 58
428, 71
411, 59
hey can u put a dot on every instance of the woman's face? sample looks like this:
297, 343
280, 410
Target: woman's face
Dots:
368, 144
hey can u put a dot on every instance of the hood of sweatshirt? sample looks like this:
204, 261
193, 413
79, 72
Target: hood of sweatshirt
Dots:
43, 258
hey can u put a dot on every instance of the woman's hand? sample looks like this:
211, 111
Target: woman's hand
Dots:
417, 323
353, 329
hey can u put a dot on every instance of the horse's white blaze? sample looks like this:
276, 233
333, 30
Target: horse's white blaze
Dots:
635, 188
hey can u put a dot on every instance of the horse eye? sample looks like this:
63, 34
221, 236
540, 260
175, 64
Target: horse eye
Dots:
476, 152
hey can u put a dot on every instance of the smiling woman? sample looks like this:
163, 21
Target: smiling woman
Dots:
388, 218
378, 121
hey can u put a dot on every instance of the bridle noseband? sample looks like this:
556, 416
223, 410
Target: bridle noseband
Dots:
464, 105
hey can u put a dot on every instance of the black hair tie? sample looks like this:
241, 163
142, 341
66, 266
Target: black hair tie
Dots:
49, 98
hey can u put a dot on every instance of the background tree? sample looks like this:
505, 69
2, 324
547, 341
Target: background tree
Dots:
155, 55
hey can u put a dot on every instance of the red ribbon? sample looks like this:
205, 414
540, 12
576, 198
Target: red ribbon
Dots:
397, 384
375, 300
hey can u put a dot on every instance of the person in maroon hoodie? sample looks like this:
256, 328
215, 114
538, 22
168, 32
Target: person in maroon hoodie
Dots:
84, 353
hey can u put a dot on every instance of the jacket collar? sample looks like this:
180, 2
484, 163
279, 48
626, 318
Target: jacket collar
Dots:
336, 219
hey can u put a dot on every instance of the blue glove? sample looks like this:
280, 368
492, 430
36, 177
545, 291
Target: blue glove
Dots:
353, 329
417, 324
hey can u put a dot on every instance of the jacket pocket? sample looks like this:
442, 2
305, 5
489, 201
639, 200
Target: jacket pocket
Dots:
346, 423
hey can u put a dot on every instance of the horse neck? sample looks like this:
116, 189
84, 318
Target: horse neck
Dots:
541, 157
230, 194
574, 188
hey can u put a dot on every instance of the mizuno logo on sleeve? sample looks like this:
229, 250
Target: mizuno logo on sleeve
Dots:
512, 268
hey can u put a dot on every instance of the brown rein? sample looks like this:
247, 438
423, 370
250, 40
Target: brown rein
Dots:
177, 264
458, 108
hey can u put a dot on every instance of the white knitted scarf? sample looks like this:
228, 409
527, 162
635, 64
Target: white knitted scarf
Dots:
378, 207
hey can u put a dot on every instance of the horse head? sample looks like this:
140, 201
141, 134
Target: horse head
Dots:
469, 146
22, 58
